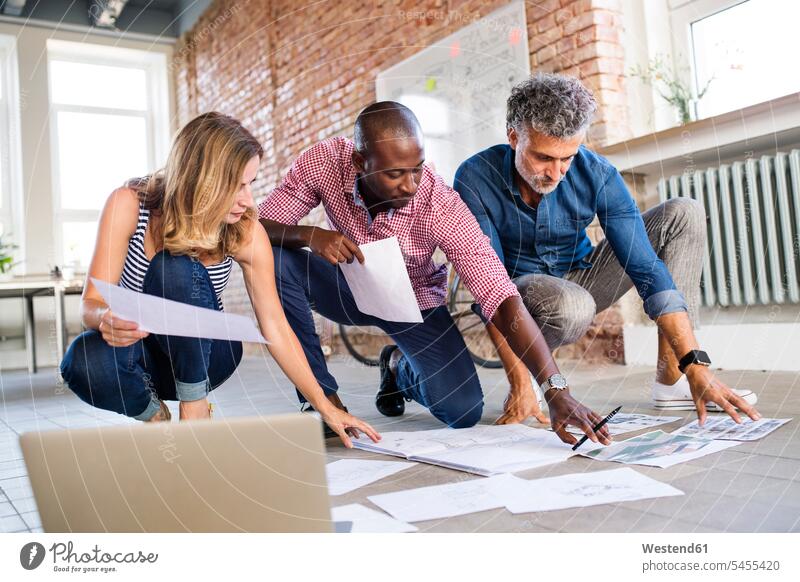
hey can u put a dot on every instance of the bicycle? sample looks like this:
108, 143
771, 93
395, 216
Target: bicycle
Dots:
365, 343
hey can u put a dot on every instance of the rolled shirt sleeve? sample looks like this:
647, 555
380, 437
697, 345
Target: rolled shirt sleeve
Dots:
298, 193
663, 302
457, 233
624, 228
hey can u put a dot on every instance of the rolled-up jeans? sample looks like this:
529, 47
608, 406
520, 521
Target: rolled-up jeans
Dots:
565, 308
435, 369
131, 380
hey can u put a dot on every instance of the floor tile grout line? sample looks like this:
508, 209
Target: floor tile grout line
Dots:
16, 514
26, 522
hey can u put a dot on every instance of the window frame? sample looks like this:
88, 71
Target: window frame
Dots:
11, 209
683, 13
156, 116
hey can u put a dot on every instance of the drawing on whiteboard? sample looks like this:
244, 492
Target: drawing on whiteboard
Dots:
458, 86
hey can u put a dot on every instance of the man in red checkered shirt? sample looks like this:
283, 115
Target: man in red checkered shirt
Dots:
377, 187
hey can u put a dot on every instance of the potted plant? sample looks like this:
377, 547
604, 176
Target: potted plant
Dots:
6, 258
668, 81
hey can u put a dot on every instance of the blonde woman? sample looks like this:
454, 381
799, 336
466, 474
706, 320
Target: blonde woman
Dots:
175, 235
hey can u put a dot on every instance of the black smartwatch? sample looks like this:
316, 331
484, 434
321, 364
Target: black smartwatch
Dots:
694, 357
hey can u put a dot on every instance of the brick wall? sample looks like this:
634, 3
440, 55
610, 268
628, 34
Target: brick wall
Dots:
295, 75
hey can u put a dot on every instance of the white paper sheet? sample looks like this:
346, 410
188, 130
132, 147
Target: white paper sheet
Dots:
482, 450
347, 475
366, 520
440, 501
381, 286
163, 316
627, 422
725, 428
520, 495
582, 490
658, 449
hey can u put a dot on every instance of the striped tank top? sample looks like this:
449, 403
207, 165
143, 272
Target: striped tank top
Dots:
136, 262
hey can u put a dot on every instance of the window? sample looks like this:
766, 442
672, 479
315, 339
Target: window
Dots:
109, 122
746, 50
11, 220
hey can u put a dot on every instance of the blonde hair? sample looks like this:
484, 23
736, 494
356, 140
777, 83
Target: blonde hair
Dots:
197, 188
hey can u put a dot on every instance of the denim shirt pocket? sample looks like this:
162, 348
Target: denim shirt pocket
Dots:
580, 222
569, 228
573, 235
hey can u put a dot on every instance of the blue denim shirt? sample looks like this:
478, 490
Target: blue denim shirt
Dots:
551, 239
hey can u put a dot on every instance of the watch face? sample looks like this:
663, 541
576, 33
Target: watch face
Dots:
702, 358
558, 381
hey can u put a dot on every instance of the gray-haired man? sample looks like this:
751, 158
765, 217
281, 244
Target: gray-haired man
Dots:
534, 199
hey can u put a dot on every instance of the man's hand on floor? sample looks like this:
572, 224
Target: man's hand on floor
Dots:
706, 388
521, 404
566, 411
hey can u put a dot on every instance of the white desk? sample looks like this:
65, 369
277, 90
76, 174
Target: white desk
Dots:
27, 288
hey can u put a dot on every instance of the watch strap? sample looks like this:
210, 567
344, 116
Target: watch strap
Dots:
693, 357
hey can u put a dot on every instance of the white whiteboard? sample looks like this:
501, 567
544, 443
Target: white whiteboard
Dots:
458, 86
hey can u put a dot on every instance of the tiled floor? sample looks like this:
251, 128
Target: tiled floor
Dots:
752, 487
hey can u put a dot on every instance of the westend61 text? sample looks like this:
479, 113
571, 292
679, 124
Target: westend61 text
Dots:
670, 549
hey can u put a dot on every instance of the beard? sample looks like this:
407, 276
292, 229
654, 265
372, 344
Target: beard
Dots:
540, 183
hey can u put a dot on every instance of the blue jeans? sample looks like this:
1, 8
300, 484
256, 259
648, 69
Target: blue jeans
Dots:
132, 380
435, 370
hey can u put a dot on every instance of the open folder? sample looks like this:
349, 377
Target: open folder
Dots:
166, 317
483, 449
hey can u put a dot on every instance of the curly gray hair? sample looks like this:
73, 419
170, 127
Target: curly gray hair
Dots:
556, 105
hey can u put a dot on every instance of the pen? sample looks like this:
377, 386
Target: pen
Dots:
598, 427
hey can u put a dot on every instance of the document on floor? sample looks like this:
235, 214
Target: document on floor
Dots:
347, 475
582, 490
658, 449
483, 449
366, 520
725, 428
166, 317
381, 286
627, 422
441, 501
520, 495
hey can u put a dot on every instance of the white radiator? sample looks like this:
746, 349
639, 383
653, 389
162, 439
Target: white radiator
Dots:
753, 215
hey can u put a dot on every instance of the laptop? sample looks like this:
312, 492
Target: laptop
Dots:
259, 474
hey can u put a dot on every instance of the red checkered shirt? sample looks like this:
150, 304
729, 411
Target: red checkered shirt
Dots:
435, 217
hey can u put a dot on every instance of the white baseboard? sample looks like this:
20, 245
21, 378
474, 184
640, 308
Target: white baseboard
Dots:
744, 346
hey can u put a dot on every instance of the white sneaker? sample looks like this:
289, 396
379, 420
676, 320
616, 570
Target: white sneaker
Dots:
538, 391
679, 396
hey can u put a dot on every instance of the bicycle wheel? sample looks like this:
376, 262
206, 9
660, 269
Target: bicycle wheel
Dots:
364, 342
472, 328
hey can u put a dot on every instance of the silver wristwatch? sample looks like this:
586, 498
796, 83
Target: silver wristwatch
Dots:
556, 382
